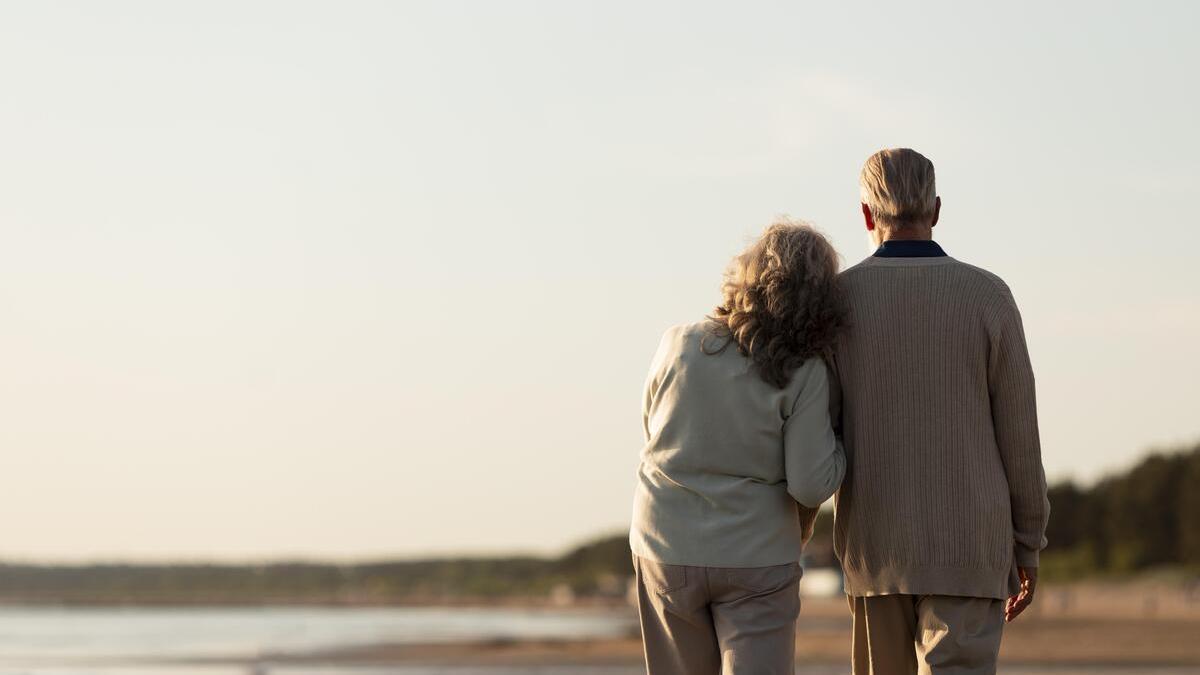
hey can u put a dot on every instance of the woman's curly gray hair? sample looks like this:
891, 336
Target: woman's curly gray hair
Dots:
781, 305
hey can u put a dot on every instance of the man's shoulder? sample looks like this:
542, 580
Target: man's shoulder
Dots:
861, 272
987, 276
855, 273
995, 287
854, 269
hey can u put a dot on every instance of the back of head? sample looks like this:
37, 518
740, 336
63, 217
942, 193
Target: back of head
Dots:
781, 303
898, 186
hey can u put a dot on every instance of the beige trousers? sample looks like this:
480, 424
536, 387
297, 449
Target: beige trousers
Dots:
926, 634
710, 620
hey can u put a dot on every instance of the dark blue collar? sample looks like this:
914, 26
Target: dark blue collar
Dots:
910, 248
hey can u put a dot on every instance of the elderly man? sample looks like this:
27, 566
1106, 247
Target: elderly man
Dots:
943, 512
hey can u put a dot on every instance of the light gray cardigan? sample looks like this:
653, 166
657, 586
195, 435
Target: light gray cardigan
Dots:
730, 460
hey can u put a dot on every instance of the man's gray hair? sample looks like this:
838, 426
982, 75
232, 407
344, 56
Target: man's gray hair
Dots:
897, 184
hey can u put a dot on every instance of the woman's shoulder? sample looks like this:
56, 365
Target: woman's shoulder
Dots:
685, 341
686, 333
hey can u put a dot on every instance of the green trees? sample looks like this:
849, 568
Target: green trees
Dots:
1189, 509
1147, 517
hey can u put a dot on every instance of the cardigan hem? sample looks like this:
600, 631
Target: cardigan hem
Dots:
931, 580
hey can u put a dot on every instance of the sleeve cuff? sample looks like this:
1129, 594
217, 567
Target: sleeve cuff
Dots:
1026, 557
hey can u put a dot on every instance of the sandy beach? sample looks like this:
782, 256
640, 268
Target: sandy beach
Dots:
1041, 645
1100, 627
1077, 628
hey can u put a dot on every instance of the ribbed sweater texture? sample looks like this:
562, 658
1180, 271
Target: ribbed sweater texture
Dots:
945, 493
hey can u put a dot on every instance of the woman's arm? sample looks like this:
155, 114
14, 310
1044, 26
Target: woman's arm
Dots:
813, 458
666, 347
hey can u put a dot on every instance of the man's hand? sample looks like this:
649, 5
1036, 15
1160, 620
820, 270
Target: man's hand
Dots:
1017, 603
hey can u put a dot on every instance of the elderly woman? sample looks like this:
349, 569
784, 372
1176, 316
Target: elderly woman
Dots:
739, 454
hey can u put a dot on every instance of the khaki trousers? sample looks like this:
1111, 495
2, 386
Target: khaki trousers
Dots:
710, 620
926, 634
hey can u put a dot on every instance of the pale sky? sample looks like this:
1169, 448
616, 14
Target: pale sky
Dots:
362, 279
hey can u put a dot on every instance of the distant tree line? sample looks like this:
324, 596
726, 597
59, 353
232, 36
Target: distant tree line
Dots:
598, 568
1145, 518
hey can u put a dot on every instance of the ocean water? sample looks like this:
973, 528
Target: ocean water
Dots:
140, 641
70, 641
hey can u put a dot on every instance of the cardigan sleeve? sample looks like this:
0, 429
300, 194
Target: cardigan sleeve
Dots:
813, 458
666, 345
1014, 418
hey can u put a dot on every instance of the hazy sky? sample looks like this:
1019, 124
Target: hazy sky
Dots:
358, 279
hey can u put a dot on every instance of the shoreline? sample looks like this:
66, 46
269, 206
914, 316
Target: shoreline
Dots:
1038, 640
1057, 644
1077, 626
1127, 645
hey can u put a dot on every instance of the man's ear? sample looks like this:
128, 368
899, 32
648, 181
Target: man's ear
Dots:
870, 219
937, 211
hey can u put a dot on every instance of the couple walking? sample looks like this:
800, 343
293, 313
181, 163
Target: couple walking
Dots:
902, 386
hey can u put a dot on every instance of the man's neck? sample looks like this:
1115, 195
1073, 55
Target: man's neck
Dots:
923, 233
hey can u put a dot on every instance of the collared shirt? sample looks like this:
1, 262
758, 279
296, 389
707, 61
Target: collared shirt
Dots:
910, 248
